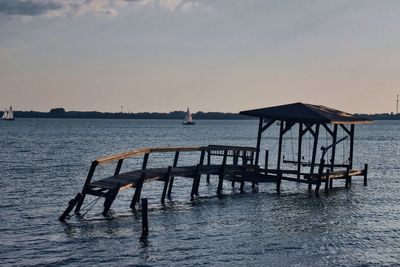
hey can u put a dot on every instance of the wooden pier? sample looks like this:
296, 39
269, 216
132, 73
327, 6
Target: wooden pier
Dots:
237, 164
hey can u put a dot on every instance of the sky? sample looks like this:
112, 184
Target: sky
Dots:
209, 55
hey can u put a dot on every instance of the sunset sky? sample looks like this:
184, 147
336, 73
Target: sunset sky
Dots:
209, 55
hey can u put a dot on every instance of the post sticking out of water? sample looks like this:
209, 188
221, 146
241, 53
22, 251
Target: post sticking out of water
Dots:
145, 217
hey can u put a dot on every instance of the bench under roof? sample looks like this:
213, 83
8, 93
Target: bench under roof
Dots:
302, 112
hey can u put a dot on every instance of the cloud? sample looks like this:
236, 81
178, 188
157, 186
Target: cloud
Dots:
172, 5
57, 8
28, 7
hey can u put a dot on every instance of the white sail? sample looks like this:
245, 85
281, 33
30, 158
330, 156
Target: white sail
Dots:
5, 114
188, 116
10, 114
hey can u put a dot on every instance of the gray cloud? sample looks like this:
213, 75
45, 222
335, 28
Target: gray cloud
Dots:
28, 7
56, 8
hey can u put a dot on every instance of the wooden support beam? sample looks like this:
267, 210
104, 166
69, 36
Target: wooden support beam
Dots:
347, 176
278, 167
351, 146
334, 138
328, 129
71, 205
345, 129
300, 143
198, 175
136, 196
171, 181
327, 181
288, 126
112, 194
166, 182
85, 188
145, 217
365, 174
266, 126
266, 160
278, 182
118, 168
260, 123
193, 192
221, 175
308, 129
314, 152
242, 185
208, 164
320, 172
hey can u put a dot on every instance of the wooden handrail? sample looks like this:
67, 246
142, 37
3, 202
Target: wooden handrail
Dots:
174, 149
222, 147
124, 155
138, 152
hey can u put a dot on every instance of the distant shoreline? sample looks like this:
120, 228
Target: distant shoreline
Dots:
179, 115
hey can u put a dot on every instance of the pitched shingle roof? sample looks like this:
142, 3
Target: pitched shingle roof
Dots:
301, 112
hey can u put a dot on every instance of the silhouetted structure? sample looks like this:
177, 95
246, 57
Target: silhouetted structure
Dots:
308, 119
239, 164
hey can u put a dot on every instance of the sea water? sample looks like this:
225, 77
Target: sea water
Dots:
44, 163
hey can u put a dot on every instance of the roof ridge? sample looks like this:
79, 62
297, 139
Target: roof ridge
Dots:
309, 107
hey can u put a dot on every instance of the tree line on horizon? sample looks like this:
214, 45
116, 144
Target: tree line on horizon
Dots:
61, 113
179, 115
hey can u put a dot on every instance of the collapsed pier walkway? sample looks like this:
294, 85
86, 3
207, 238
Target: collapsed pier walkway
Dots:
241, 164
237, 166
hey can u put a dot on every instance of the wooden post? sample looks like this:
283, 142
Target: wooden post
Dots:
266, 161
87, 182
167, 177
320, 173
145, 217
242, 185
351, 145
136, 196
193, 192
171, 181
196, 180
365, 174
278, 167
327, 181
334, 138
71, 205
111, 195
118, 168
208, 164
300, 142
347, 176
259, 140
221, 174
314, 152
278, 182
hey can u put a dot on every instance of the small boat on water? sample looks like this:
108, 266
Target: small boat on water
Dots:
188, 118
8, 115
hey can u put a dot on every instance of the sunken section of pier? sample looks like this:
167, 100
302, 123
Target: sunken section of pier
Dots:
242, 161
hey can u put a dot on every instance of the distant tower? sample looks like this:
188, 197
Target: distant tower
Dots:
397, 105
122, 109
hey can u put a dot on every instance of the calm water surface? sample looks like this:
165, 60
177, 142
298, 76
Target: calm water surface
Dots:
44, 163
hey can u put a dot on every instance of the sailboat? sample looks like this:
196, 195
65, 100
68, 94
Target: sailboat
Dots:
188, 118
8, 115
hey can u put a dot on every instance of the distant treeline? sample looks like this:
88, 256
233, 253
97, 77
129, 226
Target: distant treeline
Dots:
61, 113
180, 115
381, 116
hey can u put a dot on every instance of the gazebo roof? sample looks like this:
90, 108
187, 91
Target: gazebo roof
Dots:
301, 112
